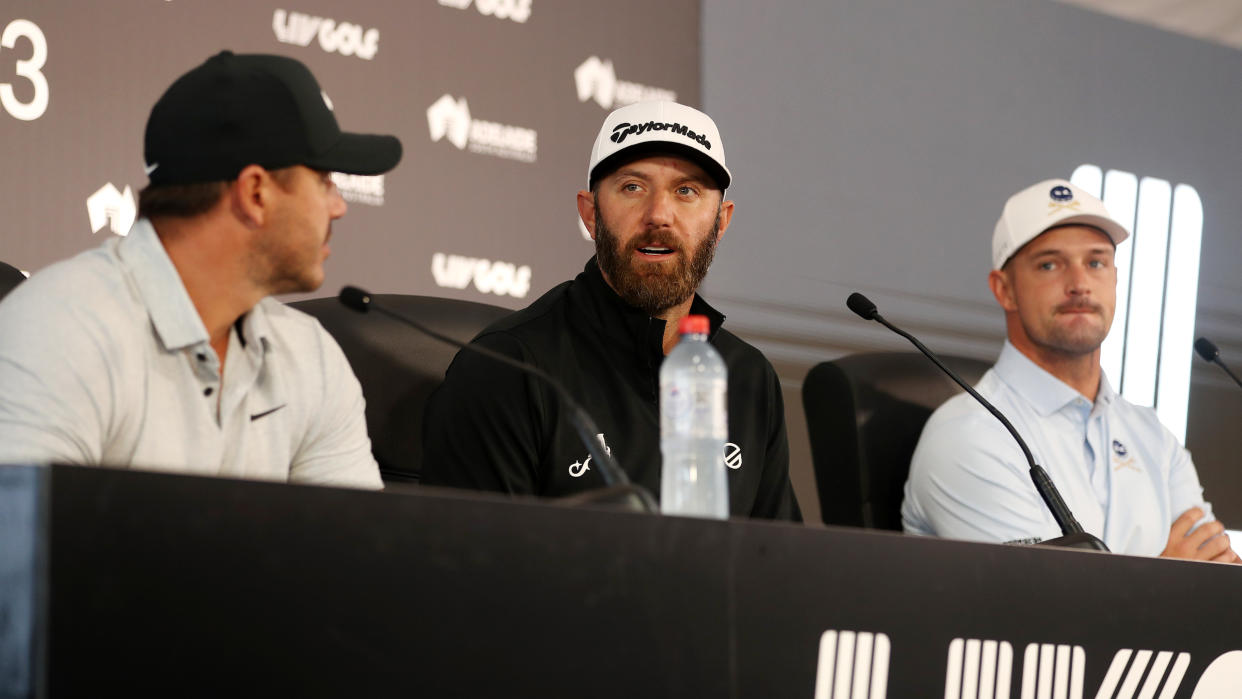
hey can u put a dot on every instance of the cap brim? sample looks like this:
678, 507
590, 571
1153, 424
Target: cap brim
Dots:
359, 154
642, 150
1111, 228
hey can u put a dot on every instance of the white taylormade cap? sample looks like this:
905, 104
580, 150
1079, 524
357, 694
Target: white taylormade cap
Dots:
631, 132
1046, 205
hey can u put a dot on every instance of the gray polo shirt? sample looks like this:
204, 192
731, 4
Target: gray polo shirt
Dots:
105, 361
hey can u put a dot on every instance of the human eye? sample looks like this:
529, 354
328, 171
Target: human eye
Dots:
687, 190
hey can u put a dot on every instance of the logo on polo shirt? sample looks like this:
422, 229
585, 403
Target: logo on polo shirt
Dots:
111, 207
596, 79
516, 10
450, 119
1122, 458
344, 38
578, 468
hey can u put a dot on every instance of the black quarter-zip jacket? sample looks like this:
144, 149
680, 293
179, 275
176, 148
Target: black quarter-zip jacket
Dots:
492, 427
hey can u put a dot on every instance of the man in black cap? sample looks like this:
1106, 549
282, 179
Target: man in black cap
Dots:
162, 349
656, 207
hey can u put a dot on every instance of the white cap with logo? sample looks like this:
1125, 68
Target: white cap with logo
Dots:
658, 127
1049, 204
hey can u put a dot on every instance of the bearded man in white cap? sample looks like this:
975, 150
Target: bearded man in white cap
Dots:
655, 206
1122, 473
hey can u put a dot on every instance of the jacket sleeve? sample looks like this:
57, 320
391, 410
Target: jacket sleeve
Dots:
482, 427
776, 499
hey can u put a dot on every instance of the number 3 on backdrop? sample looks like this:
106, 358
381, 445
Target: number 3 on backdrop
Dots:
27, 68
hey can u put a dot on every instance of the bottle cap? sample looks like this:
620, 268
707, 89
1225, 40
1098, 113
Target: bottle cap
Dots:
694, 325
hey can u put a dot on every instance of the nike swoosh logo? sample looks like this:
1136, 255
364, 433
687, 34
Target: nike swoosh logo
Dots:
150, 168
265, 413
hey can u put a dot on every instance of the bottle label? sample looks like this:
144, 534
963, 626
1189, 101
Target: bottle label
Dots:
692, 411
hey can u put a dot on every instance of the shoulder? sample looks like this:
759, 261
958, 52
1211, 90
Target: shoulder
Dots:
300, 340
741, 356
91, 279
87, 295
1142, 420
289, 323
548, 310
961, 427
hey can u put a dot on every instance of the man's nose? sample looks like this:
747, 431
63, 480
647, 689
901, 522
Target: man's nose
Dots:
1076, 283
659, 209
337, 206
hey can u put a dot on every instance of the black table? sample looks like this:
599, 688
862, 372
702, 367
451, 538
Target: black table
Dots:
141, 583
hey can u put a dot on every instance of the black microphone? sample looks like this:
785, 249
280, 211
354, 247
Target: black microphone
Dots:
616, 484
1208, 350
1072, 534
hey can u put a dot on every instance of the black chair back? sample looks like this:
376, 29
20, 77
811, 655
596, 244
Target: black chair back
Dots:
864, 413
398, 366
10, 277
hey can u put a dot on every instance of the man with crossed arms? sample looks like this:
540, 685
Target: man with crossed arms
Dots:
1122, 473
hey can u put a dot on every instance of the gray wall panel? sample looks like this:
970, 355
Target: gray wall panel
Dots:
874, 143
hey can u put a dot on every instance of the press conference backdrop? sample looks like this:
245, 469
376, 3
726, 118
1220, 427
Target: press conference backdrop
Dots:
496, 101
872, 145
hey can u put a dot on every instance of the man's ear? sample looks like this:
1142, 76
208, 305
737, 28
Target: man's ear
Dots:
250, 196
586, 210
726, 215
1002, 288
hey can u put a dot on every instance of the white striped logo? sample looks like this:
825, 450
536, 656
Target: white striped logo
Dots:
978, 669
1147, 353
852, 665
1162, 670
1053, 671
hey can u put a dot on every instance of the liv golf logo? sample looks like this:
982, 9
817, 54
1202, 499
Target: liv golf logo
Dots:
855, 665
344, 38
500, 278
516, 10
596, 79
450, 119
1147, 353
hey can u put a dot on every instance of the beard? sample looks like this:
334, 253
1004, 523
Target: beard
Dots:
1071, 342
283, 265
657, 287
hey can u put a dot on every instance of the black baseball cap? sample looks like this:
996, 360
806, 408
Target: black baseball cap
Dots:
236, 110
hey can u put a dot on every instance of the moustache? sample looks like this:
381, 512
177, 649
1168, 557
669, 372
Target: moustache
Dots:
1079, 306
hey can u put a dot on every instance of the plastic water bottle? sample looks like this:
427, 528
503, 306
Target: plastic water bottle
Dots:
693, 426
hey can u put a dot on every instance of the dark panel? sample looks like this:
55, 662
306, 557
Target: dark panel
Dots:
176, 585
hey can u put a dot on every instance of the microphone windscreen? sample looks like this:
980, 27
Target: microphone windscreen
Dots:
354, 298
861, 305
1206, 349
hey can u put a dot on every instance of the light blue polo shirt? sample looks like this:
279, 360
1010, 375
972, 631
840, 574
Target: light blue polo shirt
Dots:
1124, 476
